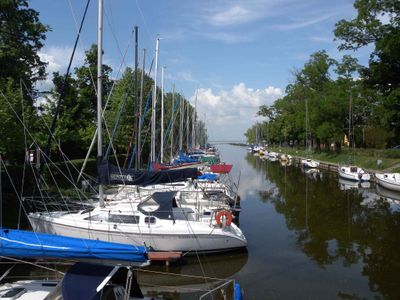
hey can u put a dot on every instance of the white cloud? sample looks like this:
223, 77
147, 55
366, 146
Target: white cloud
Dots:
230, 112
57, 59
302, 23
232, 16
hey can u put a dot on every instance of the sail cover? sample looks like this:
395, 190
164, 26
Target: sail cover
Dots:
109, 174
86, 281
20, 243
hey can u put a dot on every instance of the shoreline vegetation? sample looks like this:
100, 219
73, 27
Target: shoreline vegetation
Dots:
339, 103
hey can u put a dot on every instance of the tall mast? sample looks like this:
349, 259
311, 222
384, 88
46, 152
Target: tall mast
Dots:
180, 123
99, 93
136, 96
153, 120
194, 123
162, 116
173, 119
187, 125
139, 147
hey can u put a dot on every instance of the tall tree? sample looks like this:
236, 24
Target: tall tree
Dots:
21, 38
378, 23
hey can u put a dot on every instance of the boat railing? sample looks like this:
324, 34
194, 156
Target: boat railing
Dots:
50, 203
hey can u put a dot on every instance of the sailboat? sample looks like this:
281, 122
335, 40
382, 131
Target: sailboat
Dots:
155, 222
352, 172
308, 162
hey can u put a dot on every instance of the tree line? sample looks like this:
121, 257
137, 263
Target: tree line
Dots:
26, 114
336, 102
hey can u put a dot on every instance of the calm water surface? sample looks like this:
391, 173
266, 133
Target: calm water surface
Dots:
309, 237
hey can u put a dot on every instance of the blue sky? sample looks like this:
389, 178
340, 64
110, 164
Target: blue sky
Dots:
234, 55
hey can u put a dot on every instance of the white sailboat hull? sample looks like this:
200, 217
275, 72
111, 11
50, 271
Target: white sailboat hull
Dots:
390, 181
357, 175
201, 237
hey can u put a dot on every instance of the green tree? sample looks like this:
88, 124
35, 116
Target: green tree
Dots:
21, 38
378, 23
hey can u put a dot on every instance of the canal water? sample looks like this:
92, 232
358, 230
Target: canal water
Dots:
310, 236
313, 237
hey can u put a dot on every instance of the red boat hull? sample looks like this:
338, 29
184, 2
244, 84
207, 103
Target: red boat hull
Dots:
221, 168
159, 167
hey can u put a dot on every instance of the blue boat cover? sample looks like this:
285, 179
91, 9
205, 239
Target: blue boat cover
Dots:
20, 243
184, 158
208, 176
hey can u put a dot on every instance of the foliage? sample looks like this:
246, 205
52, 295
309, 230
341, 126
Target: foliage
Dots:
331, 99
21, 38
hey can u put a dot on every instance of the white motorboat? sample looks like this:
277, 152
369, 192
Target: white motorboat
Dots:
390, 181
156, 222
273, 155
354, 173
309, 163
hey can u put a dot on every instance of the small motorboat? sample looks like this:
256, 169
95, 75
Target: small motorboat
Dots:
309, 163
354, 173
390, 181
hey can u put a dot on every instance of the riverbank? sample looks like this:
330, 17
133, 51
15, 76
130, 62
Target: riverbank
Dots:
373, 160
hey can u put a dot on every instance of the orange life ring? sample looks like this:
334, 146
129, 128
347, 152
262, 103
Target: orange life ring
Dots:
226, 214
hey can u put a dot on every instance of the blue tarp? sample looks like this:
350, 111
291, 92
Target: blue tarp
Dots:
184, 158
20, 243
208, 176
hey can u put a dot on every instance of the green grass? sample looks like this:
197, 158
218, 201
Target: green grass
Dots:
365, 158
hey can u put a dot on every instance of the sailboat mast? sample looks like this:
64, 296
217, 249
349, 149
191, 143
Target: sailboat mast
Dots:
153, 121
162, 116
99, 93
139, 146
187, 125
173, 121
180, 123
136, 95
193, 123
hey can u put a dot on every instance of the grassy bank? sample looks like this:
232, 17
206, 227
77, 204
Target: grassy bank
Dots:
365, 158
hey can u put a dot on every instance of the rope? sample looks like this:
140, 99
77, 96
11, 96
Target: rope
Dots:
32, 264
61, 95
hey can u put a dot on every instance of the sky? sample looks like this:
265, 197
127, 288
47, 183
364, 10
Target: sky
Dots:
233, 56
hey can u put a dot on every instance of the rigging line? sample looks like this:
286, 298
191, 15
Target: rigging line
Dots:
64, 84
80, 44
115, 37
33, 139
179, 275
31, 263
16, 192
190, 228
103, 113
26, 153
149, 35
149, 95
65, 158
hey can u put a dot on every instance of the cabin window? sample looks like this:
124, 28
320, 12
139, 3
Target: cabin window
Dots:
14, 293
129, 219
150, 220
98, 218
207, 213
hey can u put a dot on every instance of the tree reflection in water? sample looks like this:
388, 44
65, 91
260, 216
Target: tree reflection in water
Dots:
338, 226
